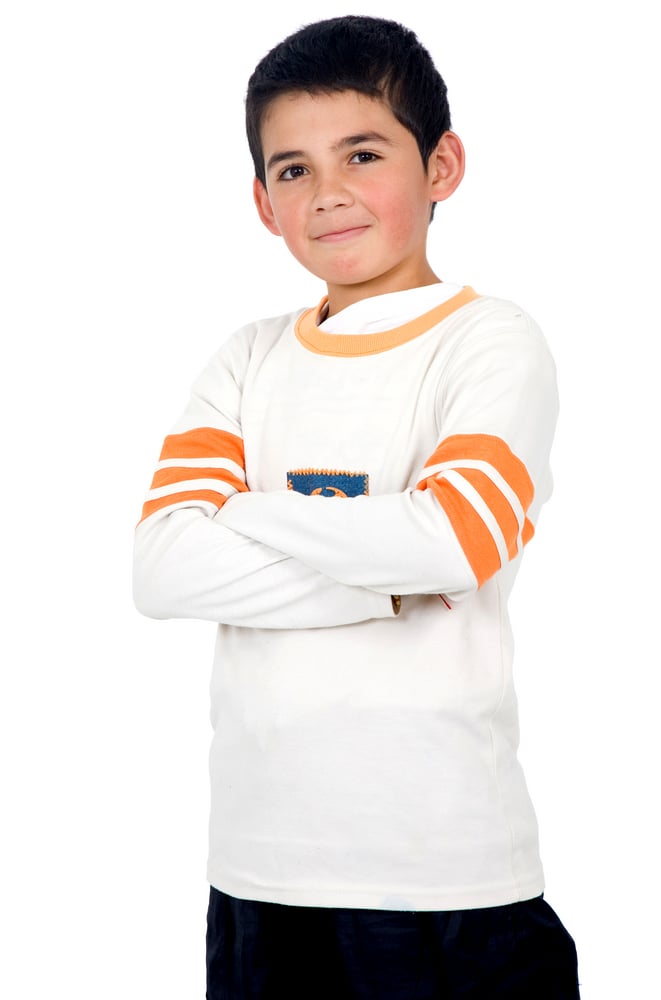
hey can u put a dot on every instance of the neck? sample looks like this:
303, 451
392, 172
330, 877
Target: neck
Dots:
341, 296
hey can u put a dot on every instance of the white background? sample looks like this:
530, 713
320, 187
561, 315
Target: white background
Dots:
130, 249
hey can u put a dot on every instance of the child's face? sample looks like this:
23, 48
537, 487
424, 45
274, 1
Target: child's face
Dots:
347, 190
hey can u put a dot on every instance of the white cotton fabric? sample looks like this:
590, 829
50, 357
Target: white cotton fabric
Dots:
359, 758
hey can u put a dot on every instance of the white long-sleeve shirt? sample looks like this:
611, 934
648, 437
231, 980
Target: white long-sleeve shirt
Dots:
361, 758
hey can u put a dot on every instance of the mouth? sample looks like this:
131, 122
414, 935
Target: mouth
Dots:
340, 235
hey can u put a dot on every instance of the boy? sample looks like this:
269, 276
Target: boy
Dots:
348, 494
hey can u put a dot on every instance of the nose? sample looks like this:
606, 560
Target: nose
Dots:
331, 192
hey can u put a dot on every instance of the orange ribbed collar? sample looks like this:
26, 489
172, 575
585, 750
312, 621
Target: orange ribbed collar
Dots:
343, 345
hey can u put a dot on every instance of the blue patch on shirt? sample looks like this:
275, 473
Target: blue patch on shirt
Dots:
314, 482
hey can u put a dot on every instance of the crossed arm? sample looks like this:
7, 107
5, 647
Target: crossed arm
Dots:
190, 565
208, 548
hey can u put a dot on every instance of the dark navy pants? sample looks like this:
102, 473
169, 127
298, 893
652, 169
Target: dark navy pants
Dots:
264, 951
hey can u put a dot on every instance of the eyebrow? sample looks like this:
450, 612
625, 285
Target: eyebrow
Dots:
347, 142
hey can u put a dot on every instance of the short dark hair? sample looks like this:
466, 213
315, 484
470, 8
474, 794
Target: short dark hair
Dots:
370, 55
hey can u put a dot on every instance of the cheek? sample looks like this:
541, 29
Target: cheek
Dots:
286, 214
405, 215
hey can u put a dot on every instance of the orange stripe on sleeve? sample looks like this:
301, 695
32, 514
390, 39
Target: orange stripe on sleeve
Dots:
499, 506
191, 498
204, 442
471, 531
197, 444
491, 449
180, 474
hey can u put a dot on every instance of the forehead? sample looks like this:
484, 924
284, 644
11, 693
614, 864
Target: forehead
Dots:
297, 119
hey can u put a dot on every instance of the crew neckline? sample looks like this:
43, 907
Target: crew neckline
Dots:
356, 344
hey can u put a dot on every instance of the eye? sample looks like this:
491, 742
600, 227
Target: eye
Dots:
364, 156
292, 172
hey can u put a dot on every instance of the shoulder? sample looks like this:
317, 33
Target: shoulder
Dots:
497, 354
267, 328
489, 312
493, 325
242, 346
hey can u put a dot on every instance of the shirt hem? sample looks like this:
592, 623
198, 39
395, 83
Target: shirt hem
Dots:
390, 899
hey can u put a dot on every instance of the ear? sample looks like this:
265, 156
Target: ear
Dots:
264, 209
446, 166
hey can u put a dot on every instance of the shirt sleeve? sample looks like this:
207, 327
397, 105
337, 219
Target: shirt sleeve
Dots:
188, 564
476, 499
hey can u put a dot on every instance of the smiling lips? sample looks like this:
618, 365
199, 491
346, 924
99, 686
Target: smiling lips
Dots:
338, 235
